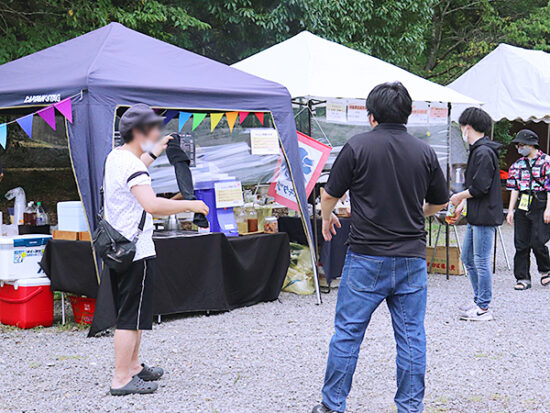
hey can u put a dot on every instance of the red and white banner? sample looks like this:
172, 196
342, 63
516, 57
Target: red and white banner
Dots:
313, 156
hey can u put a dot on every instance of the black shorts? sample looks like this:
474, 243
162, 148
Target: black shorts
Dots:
133, 295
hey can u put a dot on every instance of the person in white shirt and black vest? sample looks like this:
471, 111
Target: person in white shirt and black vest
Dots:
128, 207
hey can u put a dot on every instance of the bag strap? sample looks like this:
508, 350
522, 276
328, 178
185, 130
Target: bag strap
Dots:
530, 167
144, 213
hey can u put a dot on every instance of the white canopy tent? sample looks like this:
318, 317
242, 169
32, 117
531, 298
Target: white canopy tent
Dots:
310, 66
513, 83
320, 72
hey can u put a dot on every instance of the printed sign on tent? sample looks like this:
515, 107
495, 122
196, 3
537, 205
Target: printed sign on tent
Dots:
419, 115
264, 141
438, 113
228, 194
336, 110
357, 111
313, 156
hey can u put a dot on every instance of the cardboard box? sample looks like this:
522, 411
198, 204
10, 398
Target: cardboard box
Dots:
84, 236
439, 265
66, 235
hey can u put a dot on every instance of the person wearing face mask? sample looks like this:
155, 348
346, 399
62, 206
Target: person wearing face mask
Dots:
130, 201
483, 197
528, 181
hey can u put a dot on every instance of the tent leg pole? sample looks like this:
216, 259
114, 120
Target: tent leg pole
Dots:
63, 308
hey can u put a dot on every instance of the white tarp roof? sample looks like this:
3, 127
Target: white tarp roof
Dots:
513, 83
310, 66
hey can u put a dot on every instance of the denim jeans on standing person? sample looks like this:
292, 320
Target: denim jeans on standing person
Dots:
476, 255
366, 282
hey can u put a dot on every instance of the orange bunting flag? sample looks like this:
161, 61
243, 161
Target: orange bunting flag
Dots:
231, 118
260, 116
242, 116
215, 119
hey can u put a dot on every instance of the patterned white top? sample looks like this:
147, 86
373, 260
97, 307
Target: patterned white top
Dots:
122, 209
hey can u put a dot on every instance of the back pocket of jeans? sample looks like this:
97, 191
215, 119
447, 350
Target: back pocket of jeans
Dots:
417, 272
363, 272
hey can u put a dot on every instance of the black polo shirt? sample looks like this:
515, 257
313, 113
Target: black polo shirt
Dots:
390, 174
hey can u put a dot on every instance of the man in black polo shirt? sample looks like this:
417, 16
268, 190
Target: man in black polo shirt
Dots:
394, 181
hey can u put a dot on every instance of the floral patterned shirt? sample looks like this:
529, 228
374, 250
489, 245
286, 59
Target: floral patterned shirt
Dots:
519, 178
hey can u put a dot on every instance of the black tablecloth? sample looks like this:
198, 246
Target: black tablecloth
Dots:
332, 254
194, 273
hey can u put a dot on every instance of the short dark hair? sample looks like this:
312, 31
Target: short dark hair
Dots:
477, 118
390, 103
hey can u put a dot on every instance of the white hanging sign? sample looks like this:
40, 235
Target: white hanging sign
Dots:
264, 141
228, 194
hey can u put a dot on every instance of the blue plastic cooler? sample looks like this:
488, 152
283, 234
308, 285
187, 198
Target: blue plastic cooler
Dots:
220, 219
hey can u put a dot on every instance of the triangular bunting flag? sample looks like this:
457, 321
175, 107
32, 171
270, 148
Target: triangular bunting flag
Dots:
184, 117
215, 119
260, 116
169, 115
48, 114
242, 116
197, 119
26, 124
3, 135
66, 109
231, 118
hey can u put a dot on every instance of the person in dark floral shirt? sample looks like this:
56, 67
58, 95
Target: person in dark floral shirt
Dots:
529, 209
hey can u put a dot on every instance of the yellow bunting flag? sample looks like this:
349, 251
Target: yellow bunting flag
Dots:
215, 119
231, 118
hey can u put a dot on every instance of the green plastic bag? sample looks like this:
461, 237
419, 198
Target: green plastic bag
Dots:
299, 278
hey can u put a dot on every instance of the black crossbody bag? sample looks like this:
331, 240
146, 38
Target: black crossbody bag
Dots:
116, 251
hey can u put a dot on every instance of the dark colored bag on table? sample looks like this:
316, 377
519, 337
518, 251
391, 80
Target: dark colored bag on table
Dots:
116, 251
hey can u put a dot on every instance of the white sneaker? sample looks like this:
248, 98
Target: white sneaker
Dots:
466, 308
477, 314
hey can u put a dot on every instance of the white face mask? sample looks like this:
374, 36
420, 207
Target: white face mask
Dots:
147, 146
524, 150
464, 137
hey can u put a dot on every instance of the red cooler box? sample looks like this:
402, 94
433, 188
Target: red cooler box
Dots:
26, 303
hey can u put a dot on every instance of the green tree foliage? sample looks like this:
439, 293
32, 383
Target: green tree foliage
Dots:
463, 31
438, 39
28, 26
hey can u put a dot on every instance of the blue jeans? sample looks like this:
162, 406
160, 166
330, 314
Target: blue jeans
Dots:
476, 255
366, 282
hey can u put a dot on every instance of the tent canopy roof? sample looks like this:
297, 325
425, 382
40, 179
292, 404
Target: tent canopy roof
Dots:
514, 83
114, 59
310, 66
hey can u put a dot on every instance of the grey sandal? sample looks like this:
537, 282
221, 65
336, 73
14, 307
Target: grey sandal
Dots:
150, 373
135, 386
522, 285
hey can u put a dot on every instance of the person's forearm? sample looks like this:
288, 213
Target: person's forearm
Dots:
147, 159
328, 203
465, 195
432, 209
163, 206
514, 198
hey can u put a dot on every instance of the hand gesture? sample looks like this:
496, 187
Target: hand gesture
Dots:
329, 227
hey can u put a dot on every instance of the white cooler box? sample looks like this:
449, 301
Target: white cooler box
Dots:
20, 256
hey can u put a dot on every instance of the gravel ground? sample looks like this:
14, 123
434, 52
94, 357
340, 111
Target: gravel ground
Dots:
271, 358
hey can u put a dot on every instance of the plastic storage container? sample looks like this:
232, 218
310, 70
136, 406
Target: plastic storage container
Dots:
26, 303
71, 216
20, 256
83, 309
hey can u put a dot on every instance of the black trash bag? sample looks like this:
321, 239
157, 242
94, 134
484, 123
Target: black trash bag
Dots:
179, 159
